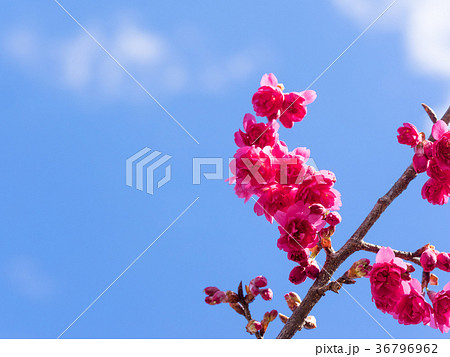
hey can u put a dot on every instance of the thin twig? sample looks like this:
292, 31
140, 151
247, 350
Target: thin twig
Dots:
413, 257
430, 113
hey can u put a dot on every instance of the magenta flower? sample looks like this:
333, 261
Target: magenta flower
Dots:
386, 279
257, 134
268, 100
443, 262
299, 256
274, 198
439, 129
253, 170
441, 309
412, 309
291, 167
436, 192
428, 260
294, 107
420, 162
441, 151
318, 188
298, 228
436, 172
408, 135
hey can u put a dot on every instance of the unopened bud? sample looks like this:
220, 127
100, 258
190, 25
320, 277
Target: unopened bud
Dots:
270, 316
232, 297
333, 218
260, 281
443, 262
310, 323
283, 318
266, 294
211, 290
253, 327
297, 275
292, 300
312, 270
299, 256
327, 233
359, 269
428, 260
317, 208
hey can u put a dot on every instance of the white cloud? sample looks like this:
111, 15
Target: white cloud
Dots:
160, 62
424, 24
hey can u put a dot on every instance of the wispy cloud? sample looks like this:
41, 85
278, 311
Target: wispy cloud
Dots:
160, 61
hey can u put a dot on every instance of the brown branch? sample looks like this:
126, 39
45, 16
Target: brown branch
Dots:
413, 257
336, 285
333, 261
430, 113
246, 308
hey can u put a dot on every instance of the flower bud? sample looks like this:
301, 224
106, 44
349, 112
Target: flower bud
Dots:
270, 316
428, 260
443, 262
333, 218
297, 275
327, 232
283, 318
317, 208
253, 327
420, 162
312, 270
266, 294
219, 297
232, 297
310, 323
428, 149
359, 269
211, 290
292, 300
260, 281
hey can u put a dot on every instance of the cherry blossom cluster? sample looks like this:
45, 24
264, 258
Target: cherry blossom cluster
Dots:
302, 200
394, 291
432, 158
239, 302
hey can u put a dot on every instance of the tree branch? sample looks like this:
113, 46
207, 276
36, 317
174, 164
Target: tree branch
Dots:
413, 257
333, 261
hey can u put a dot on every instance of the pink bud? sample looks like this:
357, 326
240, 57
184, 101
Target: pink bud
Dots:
292, 300
312, 270
270, 316
211, 290
428, 149
359, 269
443, 262
420, 162
219, 297
317, 208
333, 218
428, 260
253, 326
266, 294
260, 281
310, 323
297, 275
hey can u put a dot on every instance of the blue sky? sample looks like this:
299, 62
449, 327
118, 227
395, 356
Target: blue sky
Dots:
71, 117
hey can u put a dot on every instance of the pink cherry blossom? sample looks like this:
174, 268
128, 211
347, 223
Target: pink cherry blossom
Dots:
275, 198
412, 309
294, 107
441, 309
428, 260
258, 134
408, 135
443, 262
298, 227
253, 170
318, 188
386, 279
291, 168
436, 192
439, 129
436, 172
268, 100
441, 151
